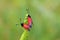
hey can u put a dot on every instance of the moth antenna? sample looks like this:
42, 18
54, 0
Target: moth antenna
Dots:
20, 21
27, 10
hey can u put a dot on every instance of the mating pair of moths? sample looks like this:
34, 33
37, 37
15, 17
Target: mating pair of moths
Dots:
29, 23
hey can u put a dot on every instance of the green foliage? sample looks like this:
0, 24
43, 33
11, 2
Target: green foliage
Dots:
45, 15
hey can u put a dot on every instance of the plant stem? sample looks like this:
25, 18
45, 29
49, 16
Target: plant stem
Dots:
24, 35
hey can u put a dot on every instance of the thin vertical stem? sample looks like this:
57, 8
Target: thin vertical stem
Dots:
24, 35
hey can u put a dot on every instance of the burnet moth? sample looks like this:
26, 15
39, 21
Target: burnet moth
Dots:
29, 22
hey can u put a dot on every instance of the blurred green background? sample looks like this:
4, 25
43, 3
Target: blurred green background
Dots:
45, 15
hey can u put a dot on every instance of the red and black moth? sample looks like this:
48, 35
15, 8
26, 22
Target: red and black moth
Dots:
29, 21
29, 25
